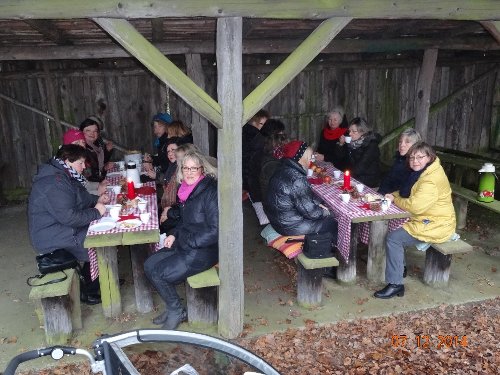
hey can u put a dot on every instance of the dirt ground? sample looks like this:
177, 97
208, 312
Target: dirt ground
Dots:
350, 333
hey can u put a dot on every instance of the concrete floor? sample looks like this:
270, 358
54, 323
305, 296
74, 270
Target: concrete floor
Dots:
270, 303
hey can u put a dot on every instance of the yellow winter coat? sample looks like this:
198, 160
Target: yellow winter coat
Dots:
433, 215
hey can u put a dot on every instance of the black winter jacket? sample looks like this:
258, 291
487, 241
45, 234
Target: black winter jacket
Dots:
161, 158
398, 173
333, 152
197, 233
252, 142
59, 211
364, 161
291, 205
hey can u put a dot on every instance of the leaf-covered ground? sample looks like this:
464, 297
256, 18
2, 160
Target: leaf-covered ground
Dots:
463, 339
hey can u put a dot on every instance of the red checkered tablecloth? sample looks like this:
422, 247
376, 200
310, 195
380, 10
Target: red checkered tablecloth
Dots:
345, 213
153, 224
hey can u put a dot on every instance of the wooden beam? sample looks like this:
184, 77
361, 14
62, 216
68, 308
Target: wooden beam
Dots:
292, 66
157, 30
262, 46
437, 106
423, 97
50, 31
493, 28
199, 124
139, 47
229, 90
282, 9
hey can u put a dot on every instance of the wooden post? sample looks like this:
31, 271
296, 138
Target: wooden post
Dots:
143, 296
229, 87
202, 305
437, 268
424, 92
375, 269
461, 206
199, 125
57, 319
309, 286
108, 280
346, 273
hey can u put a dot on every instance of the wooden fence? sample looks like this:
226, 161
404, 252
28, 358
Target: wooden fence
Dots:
385, 95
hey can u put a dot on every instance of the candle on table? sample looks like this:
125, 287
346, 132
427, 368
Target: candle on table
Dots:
347, 180
130, 189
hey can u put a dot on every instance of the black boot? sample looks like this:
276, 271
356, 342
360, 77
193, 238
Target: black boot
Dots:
405, 271
160, 319
89, 290
176, 314
390, 291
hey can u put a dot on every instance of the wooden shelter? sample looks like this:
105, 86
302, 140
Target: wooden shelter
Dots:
412, 58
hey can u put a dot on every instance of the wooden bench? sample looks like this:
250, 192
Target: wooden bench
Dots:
202, 297
60, 306
310, 279
462, 197
438, 261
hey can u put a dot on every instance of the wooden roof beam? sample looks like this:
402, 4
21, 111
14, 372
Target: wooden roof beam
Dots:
139, 47
293, 65
493, 28
281, 9
50, 31
262, 46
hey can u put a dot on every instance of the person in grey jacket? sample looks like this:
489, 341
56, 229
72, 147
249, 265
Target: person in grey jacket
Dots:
60, 209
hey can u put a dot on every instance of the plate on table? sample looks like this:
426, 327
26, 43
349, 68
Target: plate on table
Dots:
129, 224
102, 226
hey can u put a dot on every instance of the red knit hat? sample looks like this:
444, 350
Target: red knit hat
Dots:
72, 135
294, 150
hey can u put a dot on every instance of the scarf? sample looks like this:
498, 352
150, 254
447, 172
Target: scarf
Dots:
99, 151
278, 152
72, 172
333, 134
405, 189
185, 190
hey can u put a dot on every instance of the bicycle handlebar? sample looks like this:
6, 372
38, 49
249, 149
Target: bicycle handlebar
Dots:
56, 352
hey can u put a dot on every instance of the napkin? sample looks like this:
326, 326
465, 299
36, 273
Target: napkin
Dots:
315, 181
127, 217
145, 190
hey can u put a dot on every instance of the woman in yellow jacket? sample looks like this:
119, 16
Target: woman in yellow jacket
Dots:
427, 196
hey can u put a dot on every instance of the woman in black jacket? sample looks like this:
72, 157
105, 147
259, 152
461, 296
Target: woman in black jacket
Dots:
332, 138
193, 247
363, 153
98, 152
290, 204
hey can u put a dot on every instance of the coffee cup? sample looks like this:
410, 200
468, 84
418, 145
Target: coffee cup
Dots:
348, 139
385, 204
145, 217
121, 165
115, 188
345, 197
114, 211
336, 174
360, 188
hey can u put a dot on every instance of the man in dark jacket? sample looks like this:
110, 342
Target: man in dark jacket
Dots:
291, 205
251, 142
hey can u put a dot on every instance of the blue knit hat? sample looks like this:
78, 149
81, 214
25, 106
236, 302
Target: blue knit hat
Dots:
163, 117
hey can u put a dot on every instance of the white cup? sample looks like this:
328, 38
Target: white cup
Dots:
115, 188
348, 139
385, 205
336, 174
345, 197
309, 172
121, 165
360, 188
142, 206
114, 211
145, 217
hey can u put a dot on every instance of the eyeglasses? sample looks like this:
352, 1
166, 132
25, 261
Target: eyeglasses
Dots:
190, 169
417, 158
353, 131
172, 151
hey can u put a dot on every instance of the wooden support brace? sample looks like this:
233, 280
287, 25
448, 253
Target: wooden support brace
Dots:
143, 296
461, 205
202, 305
375, 269
437, 268
309, 285
346, 273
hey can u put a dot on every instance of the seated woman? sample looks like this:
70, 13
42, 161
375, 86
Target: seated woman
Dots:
332, 139
193, 247
76, 137
98, 153
160, 123
400, 171
290, 204
179, 133
251, 142
363, 154
426, 194
60, 210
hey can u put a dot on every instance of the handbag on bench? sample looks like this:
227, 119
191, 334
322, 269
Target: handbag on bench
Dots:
58, 260
318, 245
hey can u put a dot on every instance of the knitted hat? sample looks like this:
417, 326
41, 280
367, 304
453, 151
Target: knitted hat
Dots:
72, 135
163, 117
294, 150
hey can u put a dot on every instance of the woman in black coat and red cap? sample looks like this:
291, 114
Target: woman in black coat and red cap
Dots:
290, 204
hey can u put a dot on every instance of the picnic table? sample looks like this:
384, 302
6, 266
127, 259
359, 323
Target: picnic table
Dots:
350, 216
106, 242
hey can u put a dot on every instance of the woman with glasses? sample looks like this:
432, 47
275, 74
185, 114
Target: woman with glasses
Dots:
363, 154
193, 245
400, 170
426, 194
